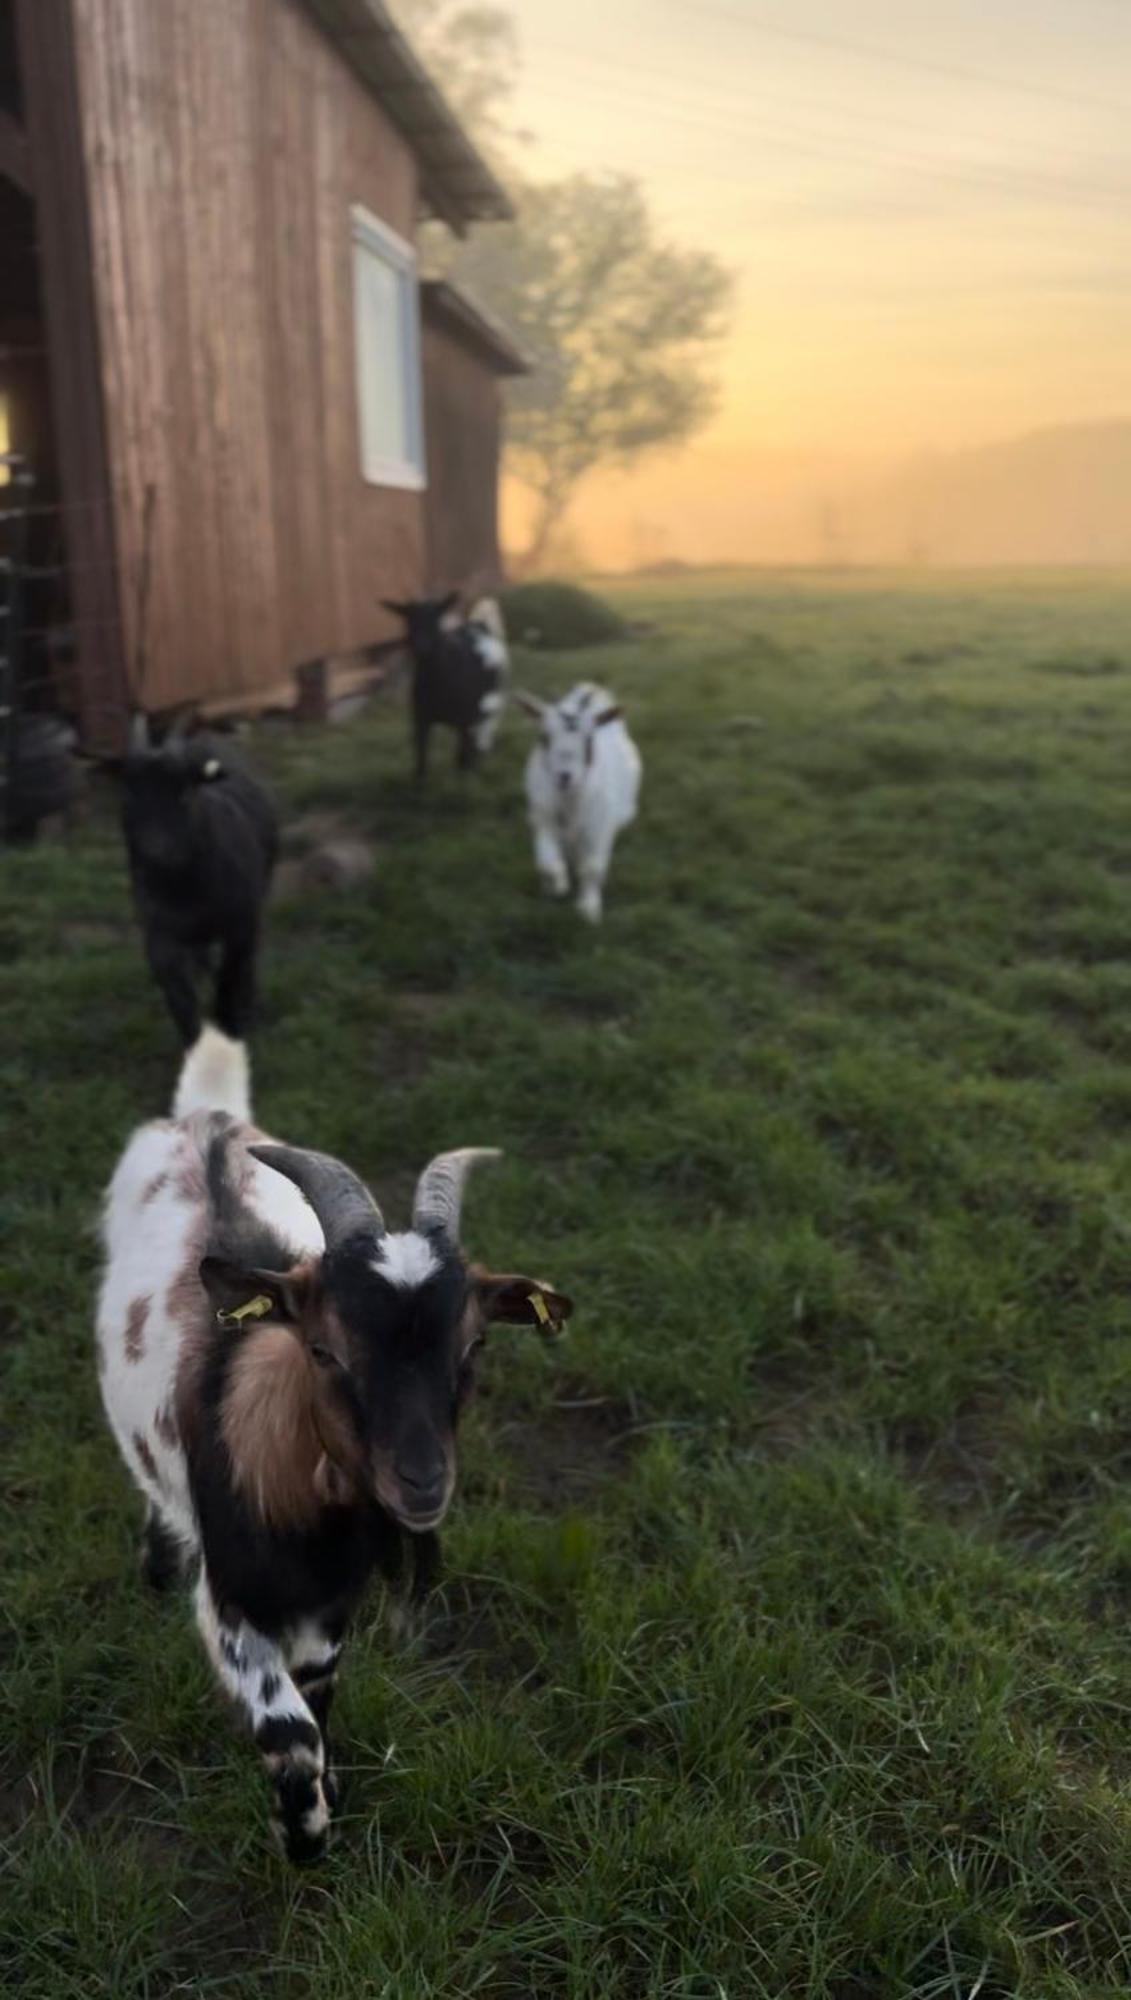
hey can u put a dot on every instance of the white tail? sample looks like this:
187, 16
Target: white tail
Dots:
216, 1076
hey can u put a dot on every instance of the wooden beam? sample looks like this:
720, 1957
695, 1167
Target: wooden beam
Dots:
442, 206
15, 154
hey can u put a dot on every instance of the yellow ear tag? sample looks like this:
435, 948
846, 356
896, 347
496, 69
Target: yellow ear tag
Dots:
255, 1308
541, 1309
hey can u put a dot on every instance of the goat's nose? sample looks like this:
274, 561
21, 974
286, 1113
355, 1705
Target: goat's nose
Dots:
421, 1482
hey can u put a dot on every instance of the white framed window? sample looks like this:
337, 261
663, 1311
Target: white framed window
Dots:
387, 340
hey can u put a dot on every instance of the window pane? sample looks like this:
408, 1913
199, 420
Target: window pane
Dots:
387, 433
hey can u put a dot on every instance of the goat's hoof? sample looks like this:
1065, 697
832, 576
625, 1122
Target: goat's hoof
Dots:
555, 885
589, 910
300, 1817
302, 1850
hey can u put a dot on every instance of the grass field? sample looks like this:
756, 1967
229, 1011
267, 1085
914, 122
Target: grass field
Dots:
785, 1646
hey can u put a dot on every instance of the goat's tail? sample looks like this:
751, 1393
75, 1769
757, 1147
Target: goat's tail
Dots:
215, 1076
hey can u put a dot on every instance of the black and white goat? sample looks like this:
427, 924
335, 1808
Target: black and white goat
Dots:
582, 787
201, 840
459, 673
284, 1376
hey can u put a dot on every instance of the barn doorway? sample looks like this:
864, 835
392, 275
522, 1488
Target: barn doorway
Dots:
38, 687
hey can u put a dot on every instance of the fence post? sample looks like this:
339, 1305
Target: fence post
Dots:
21, 481
313, 692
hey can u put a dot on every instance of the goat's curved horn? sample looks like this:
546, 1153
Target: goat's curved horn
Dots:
139, 733
342, 1203
439, 1191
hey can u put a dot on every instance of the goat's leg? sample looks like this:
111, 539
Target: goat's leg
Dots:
164, 1555
235, 989
253, 1669
490, 715
467, 755
313, 1651
592, 868
550, 861
172, 966
421, 730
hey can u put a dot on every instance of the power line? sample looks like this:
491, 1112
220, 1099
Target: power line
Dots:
866, 52
599, 68
839, 147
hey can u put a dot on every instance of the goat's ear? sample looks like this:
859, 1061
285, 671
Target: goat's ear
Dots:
509, 1299
530, 704
398, 610
243, 1293
612, 714
448, 603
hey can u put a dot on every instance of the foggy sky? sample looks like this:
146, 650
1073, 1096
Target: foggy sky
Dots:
929, 208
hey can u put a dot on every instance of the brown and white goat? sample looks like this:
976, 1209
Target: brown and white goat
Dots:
284, 1377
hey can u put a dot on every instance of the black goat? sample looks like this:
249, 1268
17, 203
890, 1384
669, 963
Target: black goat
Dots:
201, 838
458, 674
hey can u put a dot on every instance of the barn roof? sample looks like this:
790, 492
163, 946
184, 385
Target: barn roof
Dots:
446, 304
455, 178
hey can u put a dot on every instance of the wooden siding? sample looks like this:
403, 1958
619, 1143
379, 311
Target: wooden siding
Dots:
225, 143
462, 421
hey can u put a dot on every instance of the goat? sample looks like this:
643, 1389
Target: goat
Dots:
458, 674
284, 1377
582, 785
201, 840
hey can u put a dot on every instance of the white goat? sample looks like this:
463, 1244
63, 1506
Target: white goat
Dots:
582, 785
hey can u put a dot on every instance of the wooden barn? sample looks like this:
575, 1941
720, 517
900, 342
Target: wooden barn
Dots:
215, 349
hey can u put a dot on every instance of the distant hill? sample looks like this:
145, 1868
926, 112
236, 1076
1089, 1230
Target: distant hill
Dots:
1053, 496
1058, 495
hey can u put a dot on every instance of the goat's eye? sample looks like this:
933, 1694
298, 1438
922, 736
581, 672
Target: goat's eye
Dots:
322, 1355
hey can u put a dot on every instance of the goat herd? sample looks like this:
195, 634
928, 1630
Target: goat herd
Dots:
284, 1373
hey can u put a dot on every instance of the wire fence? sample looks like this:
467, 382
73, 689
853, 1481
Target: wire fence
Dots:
54, 687
41, 694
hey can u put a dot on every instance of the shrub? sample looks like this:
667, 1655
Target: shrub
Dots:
557, 617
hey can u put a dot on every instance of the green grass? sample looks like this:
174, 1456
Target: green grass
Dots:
784, 1649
